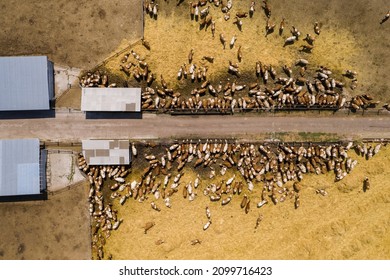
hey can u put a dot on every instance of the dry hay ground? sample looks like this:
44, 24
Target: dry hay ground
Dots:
346, 224
351, 38
56, 229
74, 33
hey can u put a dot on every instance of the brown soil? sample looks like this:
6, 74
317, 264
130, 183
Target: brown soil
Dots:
73, 33
56, 229
346, 224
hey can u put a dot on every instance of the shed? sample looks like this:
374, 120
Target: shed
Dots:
22, 170
111, 99
26, 83
106, 152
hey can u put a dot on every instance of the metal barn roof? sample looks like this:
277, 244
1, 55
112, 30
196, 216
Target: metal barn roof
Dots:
26, 83
111, 100
19, 167
104, 152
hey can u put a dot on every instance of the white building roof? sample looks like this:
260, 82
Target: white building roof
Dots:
19, 167
111, 100
26, 83
106, 152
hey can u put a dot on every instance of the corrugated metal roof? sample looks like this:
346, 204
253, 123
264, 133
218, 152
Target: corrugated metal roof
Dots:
19, 167
111, 100
26, 83
106, 152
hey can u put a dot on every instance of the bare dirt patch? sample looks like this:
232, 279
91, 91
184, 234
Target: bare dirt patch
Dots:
73, 33
58, 228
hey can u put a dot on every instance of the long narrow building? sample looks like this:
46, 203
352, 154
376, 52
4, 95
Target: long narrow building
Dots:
111, 100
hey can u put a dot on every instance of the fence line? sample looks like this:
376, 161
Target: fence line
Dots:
69, 187
126, 49
52, 151
58, 97
179, 111
169, 141
104, 61
47, 143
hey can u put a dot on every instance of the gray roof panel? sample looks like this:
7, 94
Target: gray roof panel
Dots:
19, 167
25, 83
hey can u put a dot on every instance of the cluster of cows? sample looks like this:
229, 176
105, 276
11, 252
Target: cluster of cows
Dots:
224, 171
290, 87
284, 92
267, 167
104, 216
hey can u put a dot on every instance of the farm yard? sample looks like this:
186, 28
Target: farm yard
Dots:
257, 68
330, 214
340, 223
301, 195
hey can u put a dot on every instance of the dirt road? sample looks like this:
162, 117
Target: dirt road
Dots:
74, 126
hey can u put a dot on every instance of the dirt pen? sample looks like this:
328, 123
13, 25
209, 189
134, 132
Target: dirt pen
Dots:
344, 43
340, 225
343, 225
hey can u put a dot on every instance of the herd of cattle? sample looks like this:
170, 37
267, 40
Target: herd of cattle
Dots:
285, 92
298, 86
224, 171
